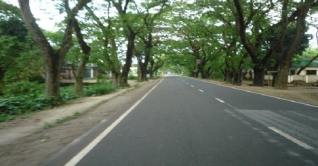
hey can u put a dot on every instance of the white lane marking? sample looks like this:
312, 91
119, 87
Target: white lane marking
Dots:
260, 94
201, 90
302, 144
192, 86
91, 145
188, 83
219, 100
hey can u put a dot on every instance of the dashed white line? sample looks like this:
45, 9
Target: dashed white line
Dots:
219, 100
201, 90
302, 144
192, 86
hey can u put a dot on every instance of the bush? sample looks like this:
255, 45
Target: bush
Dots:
67, 93
22, 88
25, 104
132, 77
98, 89
33, 99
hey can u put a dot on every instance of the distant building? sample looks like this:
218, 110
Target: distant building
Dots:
309, 74
312, 69
68, 72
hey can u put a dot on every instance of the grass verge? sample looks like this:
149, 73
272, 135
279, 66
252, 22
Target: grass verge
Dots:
60, 121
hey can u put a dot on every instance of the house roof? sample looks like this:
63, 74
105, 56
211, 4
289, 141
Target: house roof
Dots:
304, 63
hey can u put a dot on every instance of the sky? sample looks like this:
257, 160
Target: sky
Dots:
45, 11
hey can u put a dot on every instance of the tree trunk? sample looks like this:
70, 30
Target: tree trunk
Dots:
275, 77
282, 77
82, 66
237, 77
78, 90
142, 69
128, 61
116, 79
258, 79
228, 76
151, 68
53, 67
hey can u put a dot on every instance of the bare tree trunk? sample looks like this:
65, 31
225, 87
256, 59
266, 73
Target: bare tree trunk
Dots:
53, 67
78, 90
259, 74
128, 61
237, 77
115, 78
84, 59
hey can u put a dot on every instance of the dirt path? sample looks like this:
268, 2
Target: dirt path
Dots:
20, 144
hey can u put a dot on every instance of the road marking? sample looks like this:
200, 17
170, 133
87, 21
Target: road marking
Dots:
192, 86
219, 100
91, 145
201, 90
302, 144
214, 83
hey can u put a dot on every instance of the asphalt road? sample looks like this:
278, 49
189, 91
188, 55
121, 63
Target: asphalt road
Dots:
183, 121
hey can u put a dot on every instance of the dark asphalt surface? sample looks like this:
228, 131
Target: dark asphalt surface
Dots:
184, 121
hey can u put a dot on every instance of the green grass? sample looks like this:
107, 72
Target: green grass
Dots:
61, 121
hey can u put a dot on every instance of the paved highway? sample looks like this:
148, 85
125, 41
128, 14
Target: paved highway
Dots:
183, 121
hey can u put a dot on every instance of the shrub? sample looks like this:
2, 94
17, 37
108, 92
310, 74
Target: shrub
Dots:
33, 99
98, 89
132, 77
25, 104
67, 93
22, 88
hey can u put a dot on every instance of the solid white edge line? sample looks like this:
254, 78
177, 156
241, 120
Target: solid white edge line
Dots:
261, 94
302, 144
219, 100
91, 145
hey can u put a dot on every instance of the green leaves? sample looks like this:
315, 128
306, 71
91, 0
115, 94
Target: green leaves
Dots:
26, 97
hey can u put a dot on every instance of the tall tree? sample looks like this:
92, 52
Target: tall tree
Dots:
130, 32
300, 15
108, 38
52, 57
147, 36
83, 59
255, 26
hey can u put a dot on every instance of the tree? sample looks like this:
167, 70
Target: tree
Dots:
147, 37
255, 26
16, 48
52, 57
108, 38
130, 32
283, 69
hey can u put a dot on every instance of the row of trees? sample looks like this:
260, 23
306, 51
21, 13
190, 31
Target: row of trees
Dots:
209, 38
262, 35
99, 35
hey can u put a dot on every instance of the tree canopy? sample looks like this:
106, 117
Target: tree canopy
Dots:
207, 39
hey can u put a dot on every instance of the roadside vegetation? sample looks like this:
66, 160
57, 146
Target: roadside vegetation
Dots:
23, 98
223, 40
